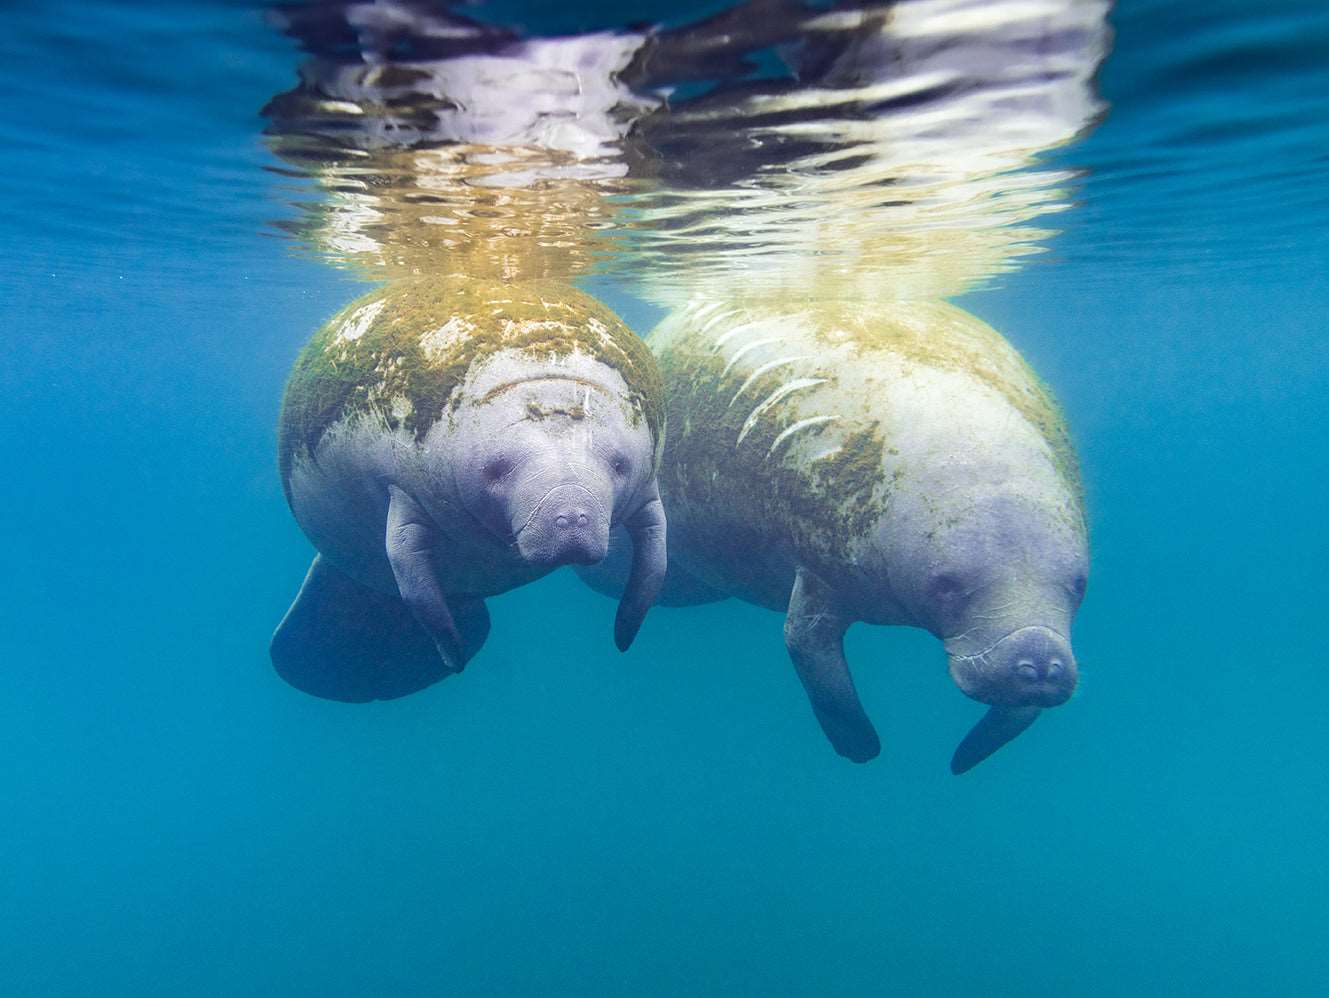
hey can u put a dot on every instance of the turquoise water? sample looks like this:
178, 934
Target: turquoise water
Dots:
562, 819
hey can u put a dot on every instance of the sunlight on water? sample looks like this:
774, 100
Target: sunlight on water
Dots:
891, 150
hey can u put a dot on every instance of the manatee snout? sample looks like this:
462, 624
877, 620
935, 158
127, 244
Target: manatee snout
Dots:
1029, 667
569, 526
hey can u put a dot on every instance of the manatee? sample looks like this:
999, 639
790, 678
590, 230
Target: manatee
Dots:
444, 441
884, 462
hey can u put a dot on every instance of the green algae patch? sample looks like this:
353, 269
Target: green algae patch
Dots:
826, 503
401, 353
816, 458
942, 336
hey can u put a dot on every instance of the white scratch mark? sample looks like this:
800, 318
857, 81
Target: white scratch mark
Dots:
705, 327
802, 424
729, 334
765, 369
788, 388
698, 311
438, 342
829, 453
752, 345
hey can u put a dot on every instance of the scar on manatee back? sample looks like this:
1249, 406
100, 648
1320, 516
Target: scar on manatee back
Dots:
843, 484
965, 344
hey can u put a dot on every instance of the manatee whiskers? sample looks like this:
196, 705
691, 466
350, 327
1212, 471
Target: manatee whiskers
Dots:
539, 506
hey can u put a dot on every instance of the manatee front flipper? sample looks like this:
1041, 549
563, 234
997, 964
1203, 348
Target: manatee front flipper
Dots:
412, 541
998, 726
609, 576
343, 641
814, 634
650, 561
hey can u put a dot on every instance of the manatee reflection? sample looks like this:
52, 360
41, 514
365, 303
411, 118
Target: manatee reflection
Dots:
784, 145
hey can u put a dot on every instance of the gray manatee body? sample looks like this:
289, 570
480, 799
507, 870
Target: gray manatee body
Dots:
444, 441
891, 463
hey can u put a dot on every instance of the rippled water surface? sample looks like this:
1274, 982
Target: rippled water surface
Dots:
1134, 194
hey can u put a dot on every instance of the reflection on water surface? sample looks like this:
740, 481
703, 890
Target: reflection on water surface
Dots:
890, 150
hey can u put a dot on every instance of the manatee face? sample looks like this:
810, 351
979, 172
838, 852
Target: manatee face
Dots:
544, 454
998, 576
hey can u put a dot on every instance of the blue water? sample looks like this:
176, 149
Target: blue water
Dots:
565, 820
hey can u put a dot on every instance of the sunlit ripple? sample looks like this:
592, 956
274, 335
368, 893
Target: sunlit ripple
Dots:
888, 149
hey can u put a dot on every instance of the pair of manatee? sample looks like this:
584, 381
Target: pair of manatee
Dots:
444, 441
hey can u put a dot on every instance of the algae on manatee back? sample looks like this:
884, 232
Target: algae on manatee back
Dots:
773, 408
400, 353
706, 463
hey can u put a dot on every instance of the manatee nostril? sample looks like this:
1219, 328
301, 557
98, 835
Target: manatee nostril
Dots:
562, 520
1034, 670
582, 519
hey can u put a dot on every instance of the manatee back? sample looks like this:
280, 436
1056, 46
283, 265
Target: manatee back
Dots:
781, 419
399, 355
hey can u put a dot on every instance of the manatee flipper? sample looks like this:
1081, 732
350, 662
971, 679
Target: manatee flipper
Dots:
411, 544
609, 576
650, 561
343, 641
814, 632
998, 726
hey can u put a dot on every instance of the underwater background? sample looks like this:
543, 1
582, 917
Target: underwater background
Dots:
566, 819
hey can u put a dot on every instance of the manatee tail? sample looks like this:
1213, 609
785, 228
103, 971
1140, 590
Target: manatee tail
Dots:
343, 641
998, 726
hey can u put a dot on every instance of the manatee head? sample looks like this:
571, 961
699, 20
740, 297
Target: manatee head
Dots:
985, 544
548, 454
997, 572
998, 575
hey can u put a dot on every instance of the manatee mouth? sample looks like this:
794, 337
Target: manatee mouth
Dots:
1029, 667
594, 499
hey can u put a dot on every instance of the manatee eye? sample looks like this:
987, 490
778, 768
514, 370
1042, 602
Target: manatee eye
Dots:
496, 469
620, 464
945, 586
1078, 585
